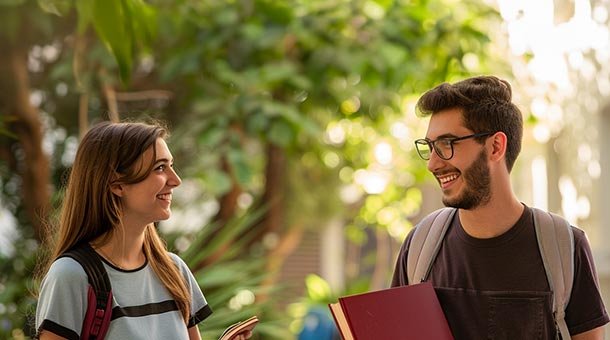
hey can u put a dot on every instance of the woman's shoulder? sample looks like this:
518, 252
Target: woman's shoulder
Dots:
66, 268
177, 260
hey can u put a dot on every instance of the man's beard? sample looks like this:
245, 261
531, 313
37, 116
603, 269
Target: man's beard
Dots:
477, 189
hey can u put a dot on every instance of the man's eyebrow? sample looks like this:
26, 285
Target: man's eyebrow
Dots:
445, 135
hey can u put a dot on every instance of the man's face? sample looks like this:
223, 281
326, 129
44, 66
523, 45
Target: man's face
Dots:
465, 178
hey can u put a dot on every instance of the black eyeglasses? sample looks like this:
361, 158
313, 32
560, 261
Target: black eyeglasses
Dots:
442, 146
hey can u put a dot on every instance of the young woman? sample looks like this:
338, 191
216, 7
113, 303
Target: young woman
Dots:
121, 183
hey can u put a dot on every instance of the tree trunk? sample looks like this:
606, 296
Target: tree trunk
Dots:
227, 210
275, 175
228, 202
274, 189
33, 166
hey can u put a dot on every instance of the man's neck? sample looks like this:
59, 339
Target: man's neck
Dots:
492, 219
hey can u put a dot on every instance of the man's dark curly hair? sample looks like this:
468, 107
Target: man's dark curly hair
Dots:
486, 106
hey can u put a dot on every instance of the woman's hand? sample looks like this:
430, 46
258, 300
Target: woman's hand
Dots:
243, 335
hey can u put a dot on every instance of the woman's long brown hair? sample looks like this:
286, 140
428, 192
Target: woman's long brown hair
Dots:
111, 153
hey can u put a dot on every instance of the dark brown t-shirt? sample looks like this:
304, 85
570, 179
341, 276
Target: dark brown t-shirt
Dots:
497, 288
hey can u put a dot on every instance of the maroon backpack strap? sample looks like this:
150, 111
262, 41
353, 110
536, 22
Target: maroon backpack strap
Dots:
99, 295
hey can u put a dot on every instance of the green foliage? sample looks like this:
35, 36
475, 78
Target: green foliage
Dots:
318, 290
281, 73
23, 23
17, 290
124, 26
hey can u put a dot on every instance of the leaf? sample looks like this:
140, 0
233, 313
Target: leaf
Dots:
300, 81
181, 62
317, 288
256, 123
143, 22
393, 54
212, 137
277, 72
230, 273
241, 170
281, 133
57, 7
7, 133
121, 24
111, 22
385, 4
292, 118
217, 182
85, 13
223, 234
10, 3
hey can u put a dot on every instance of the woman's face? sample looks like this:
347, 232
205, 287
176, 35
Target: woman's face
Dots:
149, 201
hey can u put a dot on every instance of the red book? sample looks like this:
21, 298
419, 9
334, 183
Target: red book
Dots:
406, 313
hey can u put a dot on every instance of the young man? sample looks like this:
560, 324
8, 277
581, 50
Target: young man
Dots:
489, 274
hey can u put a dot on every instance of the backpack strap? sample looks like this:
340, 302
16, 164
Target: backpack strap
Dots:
99, 296
426, 242
556, 244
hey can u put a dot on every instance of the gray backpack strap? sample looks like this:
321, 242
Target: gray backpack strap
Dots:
426, 242
556, 243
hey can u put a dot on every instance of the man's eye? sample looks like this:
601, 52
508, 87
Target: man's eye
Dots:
445, 143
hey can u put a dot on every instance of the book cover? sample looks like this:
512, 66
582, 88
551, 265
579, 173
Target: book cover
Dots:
240, 327
408, 313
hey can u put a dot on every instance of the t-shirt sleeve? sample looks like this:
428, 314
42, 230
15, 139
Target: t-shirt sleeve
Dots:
200, 309
586, 309
62, 301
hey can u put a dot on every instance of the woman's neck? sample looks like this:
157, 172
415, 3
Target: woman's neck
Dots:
123, 249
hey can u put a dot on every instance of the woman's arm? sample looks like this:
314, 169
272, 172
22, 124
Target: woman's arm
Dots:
46, 335
193, 333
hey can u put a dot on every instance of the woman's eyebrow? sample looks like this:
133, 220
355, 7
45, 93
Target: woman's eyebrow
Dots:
164, 160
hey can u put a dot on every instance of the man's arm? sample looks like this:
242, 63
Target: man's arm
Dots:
594, 334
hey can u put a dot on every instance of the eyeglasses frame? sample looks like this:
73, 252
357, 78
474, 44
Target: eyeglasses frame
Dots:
432, 144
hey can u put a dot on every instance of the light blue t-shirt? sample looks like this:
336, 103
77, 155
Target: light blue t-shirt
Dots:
142, 306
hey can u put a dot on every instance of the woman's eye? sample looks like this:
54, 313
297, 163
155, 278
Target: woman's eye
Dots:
160, 167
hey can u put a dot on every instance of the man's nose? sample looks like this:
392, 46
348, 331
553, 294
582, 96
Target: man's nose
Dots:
435, 161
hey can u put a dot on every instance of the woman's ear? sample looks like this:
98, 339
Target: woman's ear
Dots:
117, 189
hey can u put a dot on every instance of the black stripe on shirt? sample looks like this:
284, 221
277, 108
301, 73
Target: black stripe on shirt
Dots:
144, 310
201, 315
57, 329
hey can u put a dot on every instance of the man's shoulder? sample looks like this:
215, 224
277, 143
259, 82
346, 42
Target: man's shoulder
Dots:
580, 237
